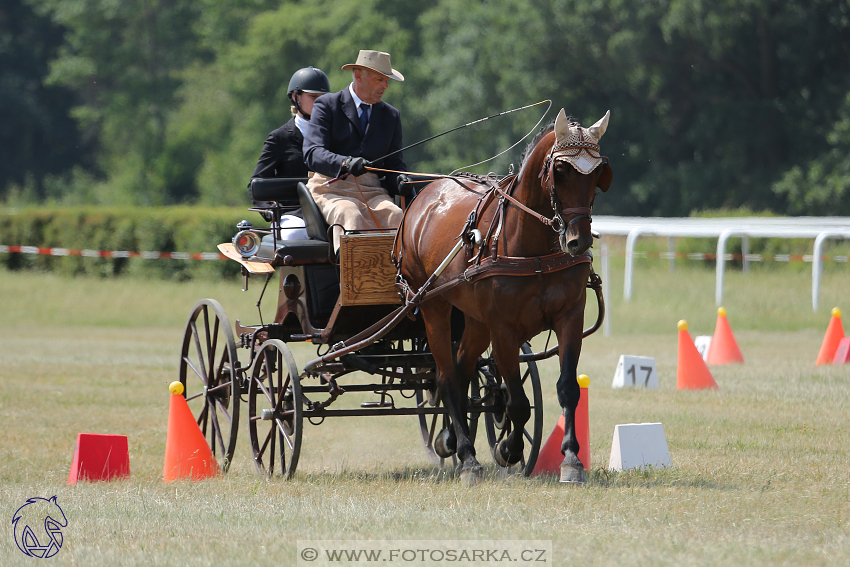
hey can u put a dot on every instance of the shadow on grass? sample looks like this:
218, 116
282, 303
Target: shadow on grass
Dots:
448, 474
653, 477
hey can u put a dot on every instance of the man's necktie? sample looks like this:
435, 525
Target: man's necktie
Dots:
364, 115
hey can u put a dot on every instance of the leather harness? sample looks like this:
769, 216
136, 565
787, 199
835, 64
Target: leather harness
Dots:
494, 264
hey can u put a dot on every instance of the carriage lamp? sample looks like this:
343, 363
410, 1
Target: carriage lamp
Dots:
247, 243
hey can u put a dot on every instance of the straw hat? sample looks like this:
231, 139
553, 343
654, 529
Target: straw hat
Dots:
376, 61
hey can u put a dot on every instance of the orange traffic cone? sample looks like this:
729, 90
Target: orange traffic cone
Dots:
187, 454
833, 336
691, 370
549, 458
723, 348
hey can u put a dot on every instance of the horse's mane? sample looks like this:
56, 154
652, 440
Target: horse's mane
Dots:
539, 136
526, 153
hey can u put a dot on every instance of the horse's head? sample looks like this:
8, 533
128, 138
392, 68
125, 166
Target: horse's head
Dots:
572, 169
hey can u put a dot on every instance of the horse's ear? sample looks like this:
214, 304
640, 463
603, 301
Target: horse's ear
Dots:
606, 176
598, 129
562, 126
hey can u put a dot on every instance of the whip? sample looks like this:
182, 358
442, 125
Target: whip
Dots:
329, 181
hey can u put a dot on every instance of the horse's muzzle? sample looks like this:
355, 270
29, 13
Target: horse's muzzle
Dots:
576, 242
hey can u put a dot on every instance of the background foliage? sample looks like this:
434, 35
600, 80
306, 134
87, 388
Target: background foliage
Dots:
159, 102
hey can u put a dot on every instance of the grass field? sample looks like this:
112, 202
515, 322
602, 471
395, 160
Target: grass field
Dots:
760, 467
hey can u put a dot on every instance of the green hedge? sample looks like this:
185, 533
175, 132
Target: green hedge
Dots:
146, 229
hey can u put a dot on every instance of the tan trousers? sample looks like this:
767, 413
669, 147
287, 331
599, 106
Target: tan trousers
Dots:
341, 203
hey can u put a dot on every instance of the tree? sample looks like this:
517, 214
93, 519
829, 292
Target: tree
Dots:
123, 59
822, 186
37, 136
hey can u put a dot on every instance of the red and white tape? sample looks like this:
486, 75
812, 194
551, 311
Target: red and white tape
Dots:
747, 257
217, 256
111, 253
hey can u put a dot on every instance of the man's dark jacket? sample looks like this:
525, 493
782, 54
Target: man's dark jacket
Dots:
335, 134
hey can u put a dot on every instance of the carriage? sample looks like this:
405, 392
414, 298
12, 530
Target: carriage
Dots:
370, 338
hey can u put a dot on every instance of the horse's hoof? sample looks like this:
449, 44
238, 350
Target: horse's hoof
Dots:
503, 457
444, 444
471, 476
572, 471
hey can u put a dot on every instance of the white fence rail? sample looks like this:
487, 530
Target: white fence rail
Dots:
817, 228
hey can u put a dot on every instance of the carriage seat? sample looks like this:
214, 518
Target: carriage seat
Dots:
302, 251
317, 228
291, 193
274, 193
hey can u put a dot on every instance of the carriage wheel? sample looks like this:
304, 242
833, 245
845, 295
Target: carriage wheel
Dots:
497, 423
209, 373
428, 423
275, 410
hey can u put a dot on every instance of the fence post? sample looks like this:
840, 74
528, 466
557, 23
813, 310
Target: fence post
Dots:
606, 273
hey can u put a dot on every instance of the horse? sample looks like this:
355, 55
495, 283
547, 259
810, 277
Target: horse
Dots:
505, 307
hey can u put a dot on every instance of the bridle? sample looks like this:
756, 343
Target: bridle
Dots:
547, 182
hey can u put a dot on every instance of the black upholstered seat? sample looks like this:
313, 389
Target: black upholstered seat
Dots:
317, 228
279, 192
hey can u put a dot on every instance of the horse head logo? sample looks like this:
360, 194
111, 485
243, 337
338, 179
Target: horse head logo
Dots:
38, 527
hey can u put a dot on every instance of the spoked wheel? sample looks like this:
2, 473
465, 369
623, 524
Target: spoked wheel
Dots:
496, 422
208, 371
275, 410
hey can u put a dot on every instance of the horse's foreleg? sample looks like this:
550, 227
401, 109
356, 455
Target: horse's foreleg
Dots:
453, 389
572, 469
506, 352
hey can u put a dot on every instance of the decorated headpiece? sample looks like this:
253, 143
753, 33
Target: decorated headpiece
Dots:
576, 145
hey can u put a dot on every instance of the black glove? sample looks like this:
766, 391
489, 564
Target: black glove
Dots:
405, 188
356, 166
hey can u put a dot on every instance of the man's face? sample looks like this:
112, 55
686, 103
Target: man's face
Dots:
305, 102
369, 85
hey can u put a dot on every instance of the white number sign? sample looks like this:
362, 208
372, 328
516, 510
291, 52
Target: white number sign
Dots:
635, 371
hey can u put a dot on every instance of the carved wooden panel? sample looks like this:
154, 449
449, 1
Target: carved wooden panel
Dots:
367, 273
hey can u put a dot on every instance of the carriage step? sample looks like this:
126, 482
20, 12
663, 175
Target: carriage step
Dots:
384, 404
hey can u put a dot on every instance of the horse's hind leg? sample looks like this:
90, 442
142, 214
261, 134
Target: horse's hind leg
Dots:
506, 352
453, 389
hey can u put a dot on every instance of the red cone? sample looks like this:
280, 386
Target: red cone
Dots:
549, 458
723, 348
691, 370
187, 454
99, 457
833, 336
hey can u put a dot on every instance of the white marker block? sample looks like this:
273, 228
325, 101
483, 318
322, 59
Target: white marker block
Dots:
639, 445
638, 371
702, 343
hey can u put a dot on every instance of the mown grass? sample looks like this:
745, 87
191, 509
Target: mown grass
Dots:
760, 473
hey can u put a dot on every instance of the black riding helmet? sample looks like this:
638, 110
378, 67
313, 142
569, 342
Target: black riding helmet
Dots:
308, 80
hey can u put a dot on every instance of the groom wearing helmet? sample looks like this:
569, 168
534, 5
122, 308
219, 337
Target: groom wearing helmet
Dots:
282, 155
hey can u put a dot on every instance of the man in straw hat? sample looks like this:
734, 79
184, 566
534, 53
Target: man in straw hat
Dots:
350, 130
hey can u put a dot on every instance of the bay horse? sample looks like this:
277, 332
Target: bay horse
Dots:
539, 222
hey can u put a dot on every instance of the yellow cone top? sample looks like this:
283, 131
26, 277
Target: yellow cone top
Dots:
583, 381
683, 325
176, 388
721, 311
836, 312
